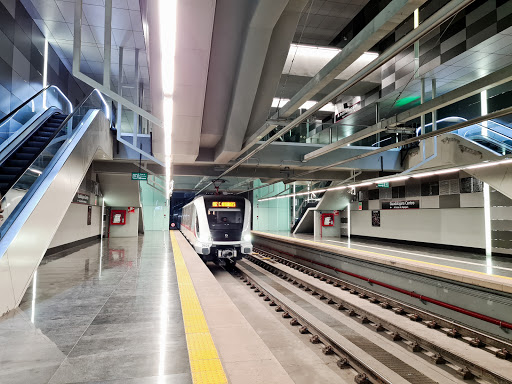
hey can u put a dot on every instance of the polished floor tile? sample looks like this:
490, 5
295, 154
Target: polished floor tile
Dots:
101, 313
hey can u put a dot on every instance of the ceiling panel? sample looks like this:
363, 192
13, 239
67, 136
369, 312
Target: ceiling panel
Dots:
55, 18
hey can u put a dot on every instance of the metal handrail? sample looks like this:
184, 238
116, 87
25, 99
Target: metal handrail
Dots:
19, 107
492, 130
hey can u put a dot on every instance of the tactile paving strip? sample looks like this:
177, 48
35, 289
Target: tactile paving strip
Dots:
204, 360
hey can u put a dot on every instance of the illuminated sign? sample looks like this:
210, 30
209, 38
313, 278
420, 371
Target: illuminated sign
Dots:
223, 204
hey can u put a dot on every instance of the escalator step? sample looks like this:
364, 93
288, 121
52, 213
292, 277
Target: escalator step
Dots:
6, 178
4, 188
46, 131
10, 170
39, 139
27, 149
16, 163
44, 135
23, 156
32, 143
52, 124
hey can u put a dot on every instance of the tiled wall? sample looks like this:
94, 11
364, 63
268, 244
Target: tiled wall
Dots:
478, 22
22, 60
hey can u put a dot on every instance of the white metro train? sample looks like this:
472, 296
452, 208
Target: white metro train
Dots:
218, 227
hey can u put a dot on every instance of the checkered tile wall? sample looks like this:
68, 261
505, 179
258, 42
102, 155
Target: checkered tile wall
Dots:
22, 60
480, 21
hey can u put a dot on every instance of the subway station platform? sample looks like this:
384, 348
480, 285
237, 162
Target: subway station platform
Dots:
132, 310
494, 272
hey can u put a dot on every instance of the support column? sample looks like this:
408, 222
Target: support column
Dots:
136, 101
107, 48
434, 112
377, 119
120, 92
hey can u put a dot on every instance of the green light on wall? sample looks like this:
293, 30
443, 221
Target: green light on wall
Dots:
406, 100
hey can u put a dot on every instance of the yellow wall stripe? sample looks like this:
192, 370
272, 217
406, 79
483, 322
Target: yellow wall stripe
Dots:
205, 364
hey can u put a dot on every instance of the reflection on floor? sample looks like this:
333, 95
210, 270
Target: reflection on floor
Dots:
96, 314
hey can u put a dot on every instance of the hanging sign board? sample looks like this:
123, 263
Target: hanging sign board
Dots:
383, 185
403, 204
138, 176
82, 198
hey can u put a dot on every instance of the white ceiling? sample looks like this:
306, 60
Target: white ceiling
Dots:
323, 20
308, 60
55, 18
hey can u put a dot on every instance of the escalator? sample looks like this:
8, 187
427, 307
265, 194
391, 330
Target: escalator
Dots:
503, 147
46, 148
20, 158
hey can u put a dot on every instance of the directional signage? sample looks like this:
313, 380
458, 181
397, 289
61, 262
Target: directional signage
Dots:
383, 185
139, 176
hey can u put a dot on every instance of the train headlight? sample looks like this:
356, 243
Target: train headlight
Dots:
247, 237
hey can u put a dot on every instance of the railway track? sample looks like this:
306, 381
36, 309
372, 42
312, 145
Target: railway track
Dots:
320, 304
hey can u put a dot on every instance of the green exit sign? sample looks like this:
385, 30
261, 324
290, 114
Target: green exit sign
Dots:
139, 176
383, 185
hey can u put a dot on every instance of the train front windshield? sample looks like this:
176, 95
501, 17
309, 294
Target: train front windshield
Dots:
225, 218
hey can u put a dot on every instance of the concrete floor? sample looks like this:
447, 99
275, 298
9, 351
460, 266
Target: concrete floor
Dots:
95, 315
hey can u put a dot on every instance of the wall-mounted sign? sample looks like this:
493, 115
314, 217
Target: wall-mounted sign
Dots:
375, 218
336, 213
138, 176
89, 215
327, 219
118, 217
383, 185
403, 204
131, 209
360, 207
82, 198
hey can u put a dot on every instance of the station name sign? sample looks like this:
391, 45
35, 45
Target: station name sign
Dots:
139, 176
223, 204
403, 204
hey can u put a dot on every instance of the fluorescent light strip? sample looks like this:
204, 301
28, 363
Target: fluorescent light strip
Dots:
45, 71
399, 178
167, 9
392, 179
102, 100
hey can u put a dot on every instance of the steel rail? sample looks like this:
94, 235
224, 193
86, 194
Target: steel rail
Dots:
346, 357
464, 330
415, 314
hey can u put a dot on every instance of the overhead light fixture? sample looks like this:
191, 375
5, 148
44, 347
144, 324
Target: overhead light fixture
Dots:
393, 179
426, 174
167, 9
363, 184
444, 171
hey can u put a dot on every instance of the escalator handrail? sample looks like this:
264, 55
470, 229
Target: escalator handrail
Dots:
19, 107
494, 141
489, 129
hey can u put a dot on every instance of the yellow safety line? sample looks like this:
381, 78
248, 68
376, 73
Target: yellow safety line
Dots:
205, 364
395, 257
